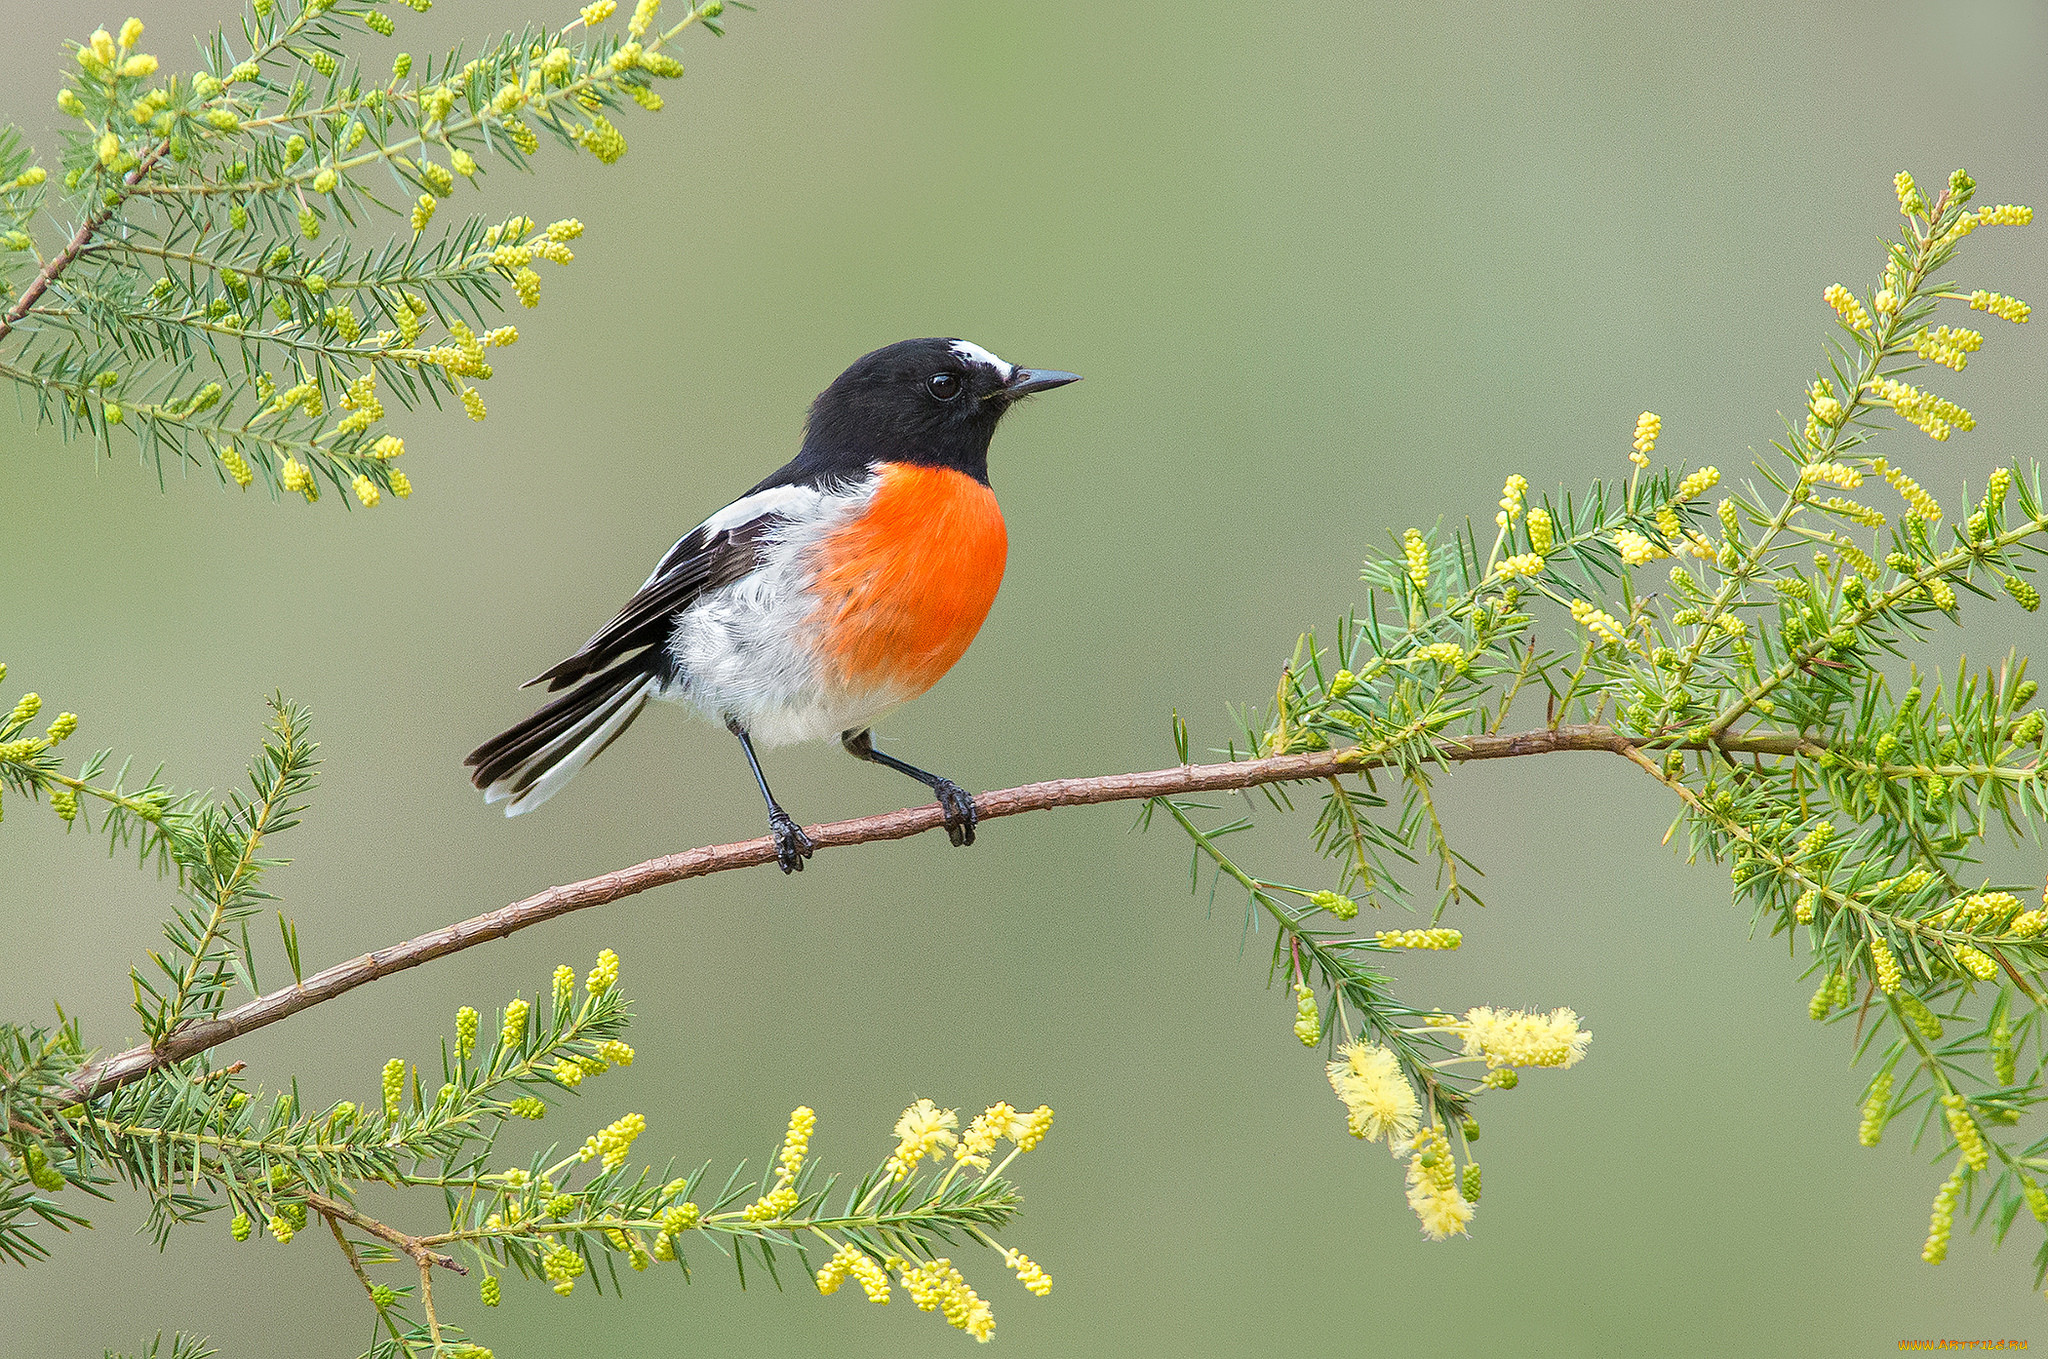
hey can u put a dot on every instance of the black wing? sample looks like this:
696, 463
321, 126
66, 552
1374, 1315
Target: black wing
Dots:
700, 562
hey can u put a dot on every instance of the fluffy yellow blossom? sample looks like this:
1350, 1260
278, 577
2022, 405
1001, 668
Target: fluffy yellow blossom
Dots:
849, 1260
1698, 483
1511, 499
1969, 1138
1030, 1275
1847, 307
1942, 1220
1541, 531
1999, 305
1648, 427
1433, 1191
938, 1287
1885, 964
2037, 1197
1911, 201
1936, 417
237, 467
1977, 963
643, 17
1522, 1038
1874, 1109
514, 1027
603, 140
1636, 549
1417, 553
1602, 624
1441, 653
1948, 347
1832, 473
2006, 214
605, 975
1378, 1100
561, 1266
980, 1139
614, 1142
923, 1130
796, 1143
1522, 563
1429, 939
366, 491
1028, 1130
1915, 496
1336, 903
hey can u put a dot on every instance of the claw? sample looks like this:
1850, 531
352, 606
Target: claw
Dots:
792, 846
958, 805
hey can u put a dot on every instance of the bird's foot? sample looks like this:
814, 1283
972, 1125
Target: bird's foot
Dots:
792, 846
958, 805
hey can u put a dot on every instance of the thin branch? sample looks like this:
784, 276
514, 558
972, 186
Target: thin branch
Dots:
335, 1210
86, 230
1178, 781
334, 1225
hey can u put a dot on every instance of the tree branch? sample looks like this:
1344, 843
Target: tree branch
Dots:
86, 230
199, 1035
334, 1210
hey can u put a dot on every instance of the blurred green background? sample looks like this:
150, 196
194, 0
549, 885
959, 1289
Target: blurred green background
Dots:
1330, 271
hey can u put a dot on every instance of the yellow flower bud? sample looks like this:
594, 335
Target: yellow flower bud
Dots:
1847, 308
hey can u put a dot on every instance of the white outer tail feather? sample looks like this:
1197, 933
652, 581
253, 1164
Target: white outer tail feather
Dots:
564, 756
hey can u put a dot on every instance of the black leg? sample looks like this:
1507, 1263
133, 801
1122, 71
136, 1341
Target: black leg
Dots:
792, 846
954, 801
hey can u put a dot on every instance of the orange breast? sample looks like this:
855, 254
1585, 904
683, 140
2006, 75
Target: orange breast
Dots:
904, 588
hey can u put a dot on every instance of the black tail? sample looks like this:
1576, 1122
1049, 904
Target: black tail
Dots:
529, 763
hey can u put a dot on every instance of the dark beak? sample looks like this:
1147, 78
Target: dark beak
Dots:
1024, 381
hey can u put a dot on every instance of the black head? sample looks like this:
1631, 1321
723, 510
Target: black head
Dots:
934, 402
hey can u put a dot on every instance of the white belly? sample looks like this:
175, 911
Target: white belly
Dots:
743, 652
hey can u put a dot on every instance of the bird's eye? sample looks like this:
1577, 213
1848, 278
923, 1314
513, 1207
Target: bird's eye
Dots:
944, 386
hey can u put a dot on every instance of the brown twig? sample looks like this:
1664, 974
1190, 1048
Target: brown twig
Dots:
58, 263
334, 1210
349, 1252
1178, 781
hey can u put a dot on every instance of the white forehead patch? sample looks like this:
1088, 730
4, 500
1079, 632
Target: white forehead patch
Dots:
974, 353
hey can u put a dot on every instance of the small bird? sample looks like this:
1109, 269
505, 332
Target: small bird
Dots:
838, 589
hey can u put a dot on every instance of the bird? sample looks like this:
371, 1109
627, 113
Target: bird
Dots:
837, 589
